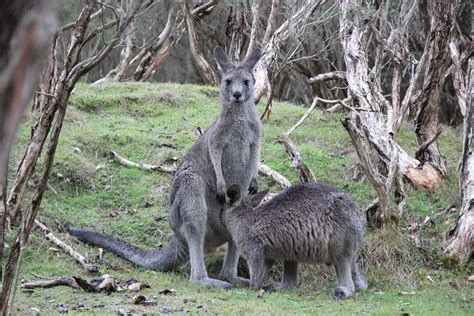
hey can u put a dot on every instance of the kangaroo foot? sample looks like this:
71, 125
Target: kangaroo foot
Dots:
341, 293
215, 283
271, 287
235, 280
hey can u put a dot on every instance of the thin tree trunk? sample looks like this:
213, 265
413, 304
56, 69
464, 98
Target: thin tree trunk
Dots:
461, 242
206, 70
29, 27
55, 110
427, 101
235, 30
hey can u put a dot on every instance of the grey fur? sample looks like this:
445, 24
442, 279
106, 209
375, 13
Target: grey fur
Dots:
227, 153
311, 223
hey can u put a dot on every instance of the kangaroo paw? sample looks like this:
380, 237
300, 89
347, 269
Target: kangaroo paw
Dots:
215, 283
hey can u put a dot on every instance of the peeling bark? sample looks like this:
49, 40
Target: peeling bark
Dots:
461, 241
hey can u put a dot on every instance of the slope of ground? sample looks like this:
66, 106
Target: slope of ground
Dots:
154, 124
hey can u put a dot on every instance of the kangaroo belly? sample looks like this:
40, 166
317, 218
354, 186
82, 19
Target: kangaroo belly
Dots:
239, 164
308, 253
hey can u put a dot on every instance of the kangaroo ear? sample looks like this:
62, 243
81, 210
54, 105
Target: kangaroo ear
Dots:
233, 192
221, 59
257, 198
251, 60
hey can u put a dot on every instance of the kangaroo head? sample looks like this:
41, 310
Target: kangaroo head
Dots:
234, 194
237, 80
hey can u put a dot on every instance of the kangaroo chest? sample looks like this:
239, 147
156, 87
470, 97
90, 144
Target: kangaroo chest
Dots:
238, 155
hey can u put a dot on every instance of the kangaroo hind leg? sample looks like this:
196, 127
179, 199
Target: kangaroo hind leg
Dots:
193, 214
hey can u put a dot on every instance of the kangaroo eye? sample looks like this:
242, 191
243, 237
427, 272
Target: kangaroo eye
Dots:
246, 82
227, 82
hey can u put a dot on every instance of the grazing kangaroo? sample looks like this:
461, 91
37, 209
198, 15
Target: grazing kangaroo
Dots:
311, 223
228, 152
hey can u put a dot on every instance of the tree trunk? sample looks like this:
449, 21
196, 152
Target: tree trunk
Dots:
26, 34
235, 28
461, 242
207, 72
427, 101
461, 245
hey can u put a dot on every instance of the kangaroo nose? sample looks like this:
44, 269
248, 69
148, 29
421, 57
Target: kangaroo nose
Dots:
237, 95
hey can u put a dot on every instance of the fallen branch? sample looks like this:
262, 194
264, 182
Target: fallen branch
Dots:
306, 175
125, 162
55, 240
61, 281
105, 283
269, 172
335, 75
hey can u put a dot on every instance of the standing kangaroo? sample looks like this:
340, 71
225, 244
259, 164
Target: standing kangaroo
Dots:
312, 223
227, 153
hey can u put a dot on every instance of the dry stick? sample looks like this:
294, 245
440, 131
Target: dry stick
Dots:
116, 157
67, 281
305, 173
425, 145
269, 172
55, 240
305, 115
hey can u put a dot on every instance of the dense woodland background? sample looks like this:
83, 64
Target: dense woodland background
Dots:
387, 70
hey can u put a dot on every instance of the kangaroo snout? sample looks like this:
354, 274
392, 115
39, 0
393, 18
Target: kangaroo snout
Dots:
237, 96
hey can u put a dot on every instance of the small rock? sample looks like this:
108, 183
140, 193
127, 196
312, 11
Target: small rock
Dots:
35, 311
412, 293
470, 278
139, 299
124, 312
77, 150
260, 293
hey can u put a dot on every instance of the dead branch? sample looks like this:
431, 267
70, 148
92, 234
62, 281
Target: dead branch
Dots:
425, 145
61, 281
273, 45
335, 75
305, 173
269, 172
55, 240
305, 115
125, 162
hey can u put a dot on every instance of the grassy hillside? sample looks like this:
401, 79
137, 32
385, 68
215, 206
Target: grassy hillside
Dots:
154, 124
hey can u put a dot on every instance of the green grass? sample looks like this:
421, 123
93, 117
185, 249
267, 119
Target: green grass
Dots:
152, 123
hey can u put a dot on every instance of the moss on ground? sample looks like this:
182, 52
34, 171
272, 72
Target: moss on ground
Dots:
153, 123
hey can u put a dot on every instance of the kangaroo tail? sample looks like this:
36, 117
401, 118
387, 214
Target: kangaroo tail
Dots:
166, 259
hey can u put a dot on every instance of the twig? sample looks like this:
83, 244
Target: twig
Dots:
125, 162
269, 172
55, 240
